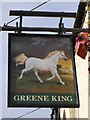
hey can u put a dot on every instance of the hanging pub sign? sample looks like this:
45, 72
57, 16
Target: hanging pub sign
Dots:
41, 71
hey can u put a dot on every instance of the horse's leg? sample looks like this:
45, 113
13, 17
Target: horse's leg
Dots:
53, 76
59, 77
23, 71
36, 73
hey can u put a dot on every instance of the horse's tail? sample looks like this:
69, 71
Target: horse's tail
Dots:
20, 60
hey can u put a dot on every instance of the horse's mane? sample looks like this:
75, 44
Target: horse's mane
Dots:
51, 53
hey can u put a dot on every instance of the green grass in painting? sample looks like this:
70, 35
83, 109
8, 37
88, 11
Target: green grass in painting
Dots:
30, 84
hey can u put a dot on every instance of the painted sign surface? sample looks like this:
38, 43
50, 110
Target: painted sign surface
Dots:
41, 71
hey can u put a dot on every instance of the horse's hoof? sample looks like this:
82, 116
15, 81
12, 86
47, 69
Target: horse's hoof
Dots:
19, 78
41, 82
62, 83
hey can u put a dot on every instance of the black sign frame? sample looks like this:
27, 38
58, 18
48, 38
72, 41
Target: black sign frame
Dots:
12, 103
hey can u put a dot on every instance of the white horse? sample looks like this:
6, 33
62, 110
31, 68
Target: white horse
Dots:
48, 64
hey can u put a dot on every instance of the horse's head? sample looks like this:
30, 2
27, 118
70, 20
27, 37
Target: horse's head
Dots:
62, 55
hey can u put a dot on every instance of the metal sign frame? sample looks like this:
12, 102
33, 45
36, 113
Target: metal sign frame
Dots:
59, 30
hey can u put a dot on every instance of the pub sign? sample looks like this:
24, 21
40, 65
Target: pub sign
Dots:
41, 71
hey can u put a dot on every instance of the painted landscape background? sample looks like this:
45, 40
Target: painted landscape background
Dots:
40, 46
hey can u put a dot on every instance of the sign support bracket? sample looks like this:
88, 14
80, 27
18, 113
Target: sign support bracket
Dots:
60, 26
59, 30
20, 24
56, 113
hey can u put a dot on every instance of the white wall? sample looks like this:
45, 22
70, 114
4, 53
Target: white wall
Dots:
82, 77
83, 81
89, 90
